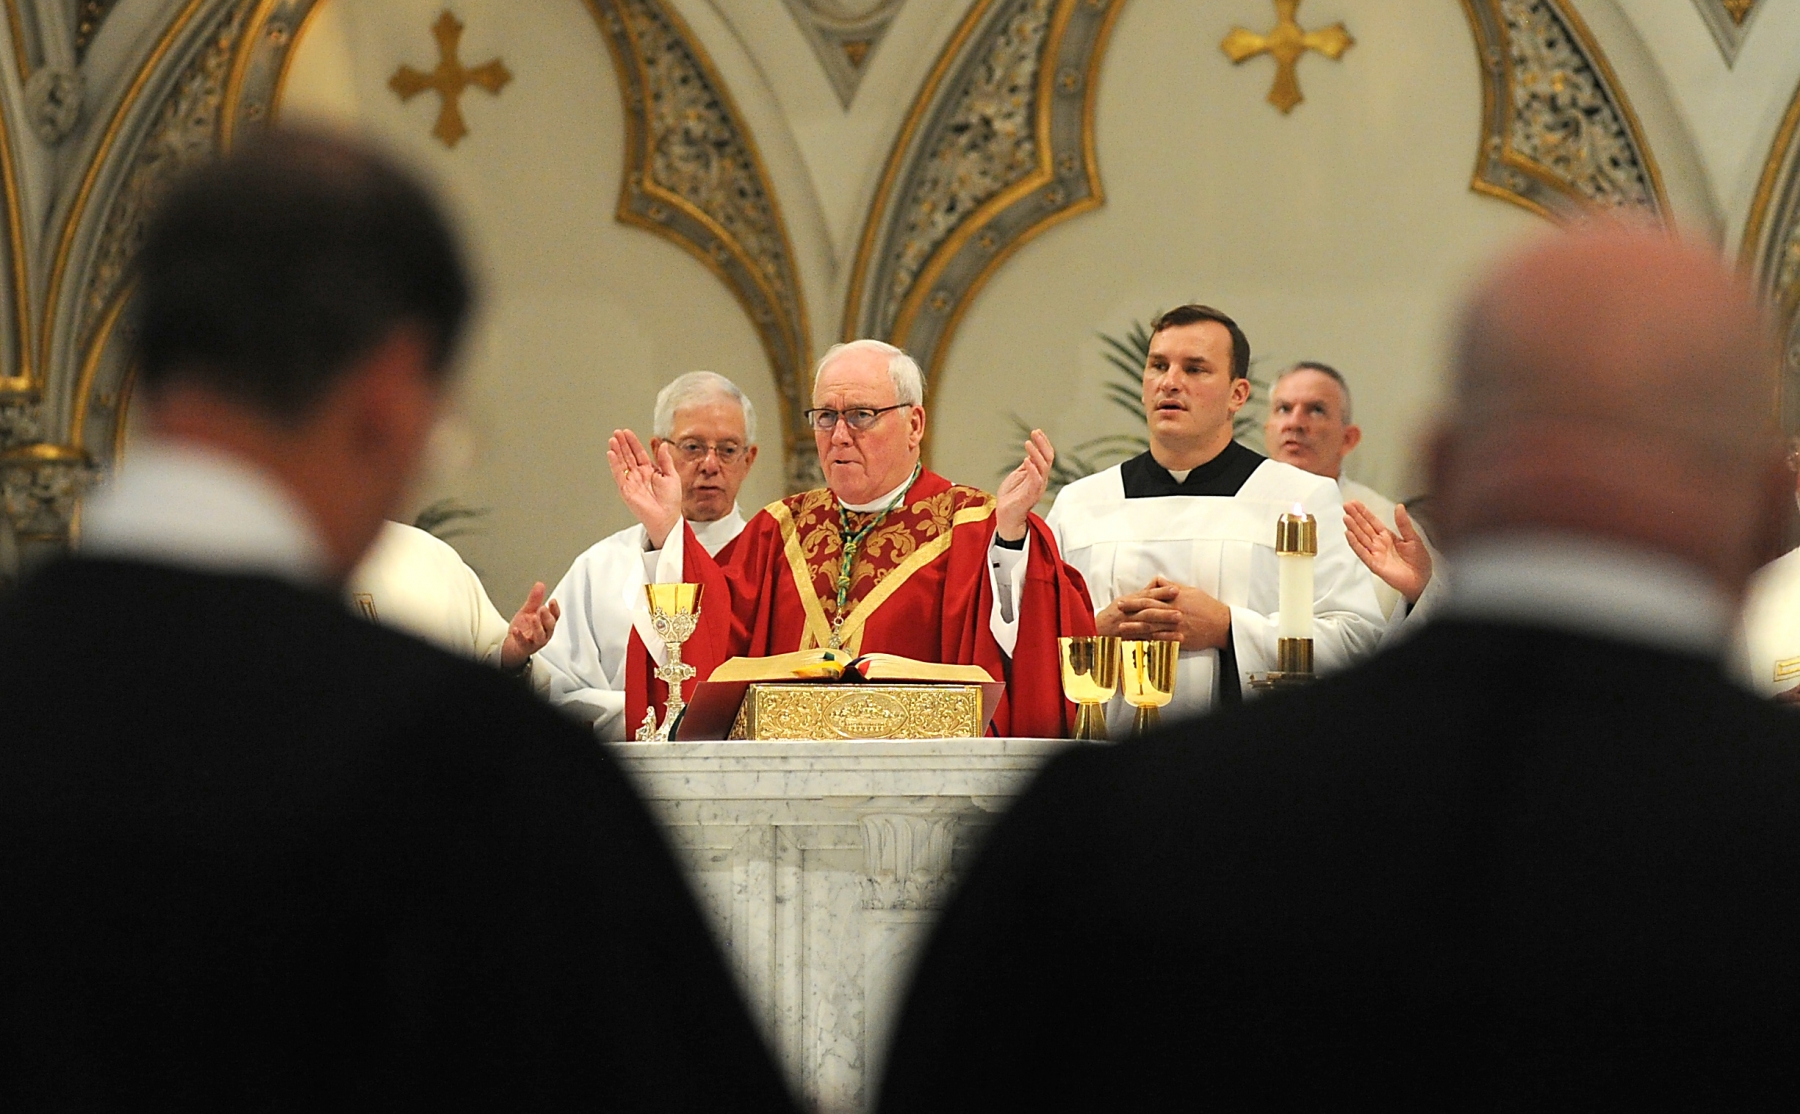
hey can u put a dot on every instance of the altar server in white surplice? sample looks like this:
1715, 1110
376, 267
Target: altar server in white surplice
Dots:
1309, 427
710, 426
1178, 543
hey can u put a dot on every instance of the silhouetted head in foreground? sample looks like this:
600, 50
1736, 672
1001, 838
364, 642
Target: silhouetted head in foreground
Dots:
299, 302
1616, 384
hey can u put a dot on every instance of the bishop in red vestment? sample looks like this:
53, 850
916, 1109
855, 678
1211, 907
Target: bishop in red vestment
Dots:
887, 557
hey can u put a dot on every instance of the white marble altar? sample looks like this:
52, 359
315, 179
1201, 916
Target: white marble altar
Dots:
822, 865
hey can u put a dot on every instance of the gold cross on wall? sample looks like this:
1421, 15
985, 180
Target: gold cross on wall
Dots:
1286, 44
449, 79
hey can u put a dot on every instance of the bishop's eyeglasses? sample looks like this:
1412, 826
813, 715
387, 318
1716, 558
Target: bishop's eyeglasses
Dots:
689, 450
858, 419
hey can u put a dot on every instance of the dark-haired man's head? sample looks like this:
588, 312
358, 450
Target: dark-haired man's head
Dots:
1196, 379
1309, 419
298, 305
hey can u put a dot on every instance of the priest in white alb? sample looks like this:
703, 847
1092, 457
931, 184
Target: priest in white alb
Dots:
710, 427
1178, 543
417, 583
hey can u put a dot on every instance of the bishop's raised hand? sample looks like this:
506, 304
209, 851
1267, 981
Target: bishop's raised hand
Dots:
649, 485
1023, 487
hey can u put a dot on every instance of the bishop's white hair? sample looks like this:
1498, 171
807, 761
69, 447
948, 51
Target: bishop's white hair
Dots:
699, 386
909, 384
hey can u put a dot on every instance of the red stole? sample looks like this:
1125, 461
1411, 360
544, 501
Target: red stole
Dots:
920, 587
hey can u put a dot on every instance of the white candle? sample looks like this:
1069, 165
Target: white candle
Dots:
1296, 542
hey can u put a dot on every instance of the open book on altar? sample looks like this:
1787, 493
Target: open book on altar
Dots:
713, 710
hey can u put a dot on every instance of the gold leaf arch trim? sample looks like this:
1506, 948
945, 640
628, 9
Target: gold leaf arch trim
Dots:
1770, 251
693, 175
998, 148
1559, 136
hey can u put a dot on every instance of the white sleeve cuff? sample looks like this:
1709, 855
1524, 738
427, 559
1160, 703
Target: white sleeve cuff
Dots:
1006, 570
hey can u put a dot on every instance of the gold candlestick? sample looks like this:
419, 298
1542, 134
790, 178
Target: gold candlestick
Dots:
674, 613
1147, 678
1090, 676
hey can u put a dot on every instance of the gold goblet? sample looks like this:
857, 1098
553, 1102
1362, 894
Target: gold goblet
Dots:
1147, 678
674, 613
1090, 676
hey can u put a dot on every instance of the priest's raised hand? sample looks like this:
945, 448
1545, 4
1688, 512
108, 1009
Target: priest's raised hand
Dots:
1024, 488
649, 485
1402, 561
530, 630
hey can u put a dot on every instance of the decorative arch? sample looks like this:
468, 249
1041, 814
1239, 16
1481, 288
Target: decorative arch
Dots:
998, 148
693, 175
1771, 252
125, 152
1558, 134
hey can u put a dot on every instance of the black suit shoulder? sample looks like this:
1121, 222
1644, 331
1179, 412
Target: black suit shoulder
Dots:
271, 853
1495, 866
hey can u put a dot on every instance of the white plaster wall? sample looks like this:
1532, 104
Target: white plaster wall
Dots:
584, 319
1345, 232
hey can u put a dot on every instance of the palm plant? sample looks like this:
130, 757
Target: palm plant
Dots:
449, 518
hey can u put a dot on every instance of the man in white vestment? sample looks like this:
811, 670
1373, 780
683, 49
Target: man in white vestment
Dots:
419, 584
1767, 653
1309, 427
710, 426
1178, 543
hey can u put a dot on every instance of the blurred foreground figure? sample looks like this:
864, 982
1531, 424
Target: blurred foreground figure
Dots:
256, 853
1541, 856
1767, 654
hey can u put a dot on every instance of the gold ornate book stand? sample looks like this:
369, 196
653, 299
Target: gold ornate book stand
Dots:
800, 710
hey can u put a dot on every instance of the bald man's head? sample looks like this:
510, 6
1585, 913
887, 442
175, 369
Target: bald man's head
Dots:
1615, 383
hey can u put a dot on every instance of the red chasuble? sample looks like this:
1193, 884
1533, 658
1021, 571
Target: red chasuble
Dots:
920, 588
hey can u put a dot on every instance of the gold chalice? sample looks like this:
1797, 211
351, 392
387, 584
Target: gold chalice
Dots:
674, 613
1090, 676
1147, 678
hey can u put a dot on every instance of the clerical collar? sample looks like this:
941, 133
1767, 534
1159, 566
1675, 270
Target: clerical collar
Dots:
179, 504
881, 503
1591, 587
717, 534
1223, 475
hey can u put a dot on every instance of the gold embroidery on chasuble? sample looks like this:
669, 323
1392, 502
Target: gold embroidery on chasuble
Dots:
912, 537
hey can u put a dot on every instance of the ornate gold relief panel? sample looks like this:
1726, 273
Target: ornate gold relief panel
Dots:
1771, 251
1558, 135
998, 147
693, 175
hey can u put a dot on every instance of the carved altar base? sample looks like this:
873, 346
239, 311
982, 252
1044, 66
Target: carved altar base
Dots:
822, 865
